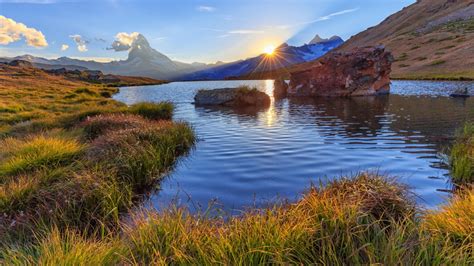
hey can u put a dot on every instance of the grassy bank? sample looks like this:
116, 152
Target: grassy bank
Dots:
70, 174
462, 156
73, 158
449, 76
361, 220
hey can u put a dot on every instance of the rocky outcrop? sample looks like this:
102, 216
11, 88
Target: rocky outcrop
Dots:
234, 97
460, 93
20, 63
360, 72
280, 88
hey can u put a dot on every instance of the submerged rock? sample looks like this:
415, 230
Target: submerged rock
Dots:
241, 96
280, 90
460, 93
361, 72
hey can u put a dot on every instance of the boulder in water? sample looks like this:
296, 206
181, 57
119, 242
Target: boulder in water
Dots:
360, 72
280, 90
460, 93
235, 97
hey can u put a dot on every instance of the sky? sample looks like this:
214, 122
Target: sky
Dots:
185, 30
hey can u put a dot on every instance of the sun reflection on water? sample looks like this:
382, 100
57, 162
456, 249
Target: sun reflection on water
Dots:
270, 113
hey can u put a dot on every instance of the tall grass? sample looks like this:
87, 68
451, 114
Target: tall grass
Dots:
84, 176
20, 156
367, 219
462, 156
154, 111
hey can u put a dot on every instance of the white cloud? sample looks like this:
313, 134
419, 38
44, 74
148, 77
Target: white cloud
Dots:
123, 41
327, 17
12, 31
206, 8
64, 47
80, 42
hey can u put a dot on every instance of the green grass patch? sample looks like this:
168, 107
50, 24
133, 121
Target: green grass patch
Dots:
11, 108
462, 156
363, 220
21, 156
402, 57
437, 62
155, 111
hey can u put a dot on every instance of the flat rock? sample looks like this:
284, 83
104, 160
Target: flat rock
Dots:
232, 97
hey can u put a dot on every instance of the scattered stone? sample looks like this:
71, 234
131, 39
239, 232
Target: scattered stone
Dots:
280, 90
360, 72
20, 63
460, 93
234, 97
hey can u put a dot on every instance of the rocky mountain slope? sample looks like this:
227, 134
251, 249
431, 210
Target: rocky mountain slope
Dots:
429, 39
283, 56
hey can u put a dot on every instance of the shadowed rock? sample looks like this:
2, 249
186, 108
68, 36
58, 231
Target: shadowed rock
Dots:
280, 90
361, 72
232, 97
460, 93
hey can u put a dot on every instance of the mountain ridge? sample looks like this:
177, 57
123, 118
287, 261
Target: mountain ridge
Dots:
283, 56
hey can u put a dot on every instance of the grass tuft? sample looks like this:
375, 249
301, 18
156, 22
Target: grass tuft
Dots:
21, 156
462, 156
155, 111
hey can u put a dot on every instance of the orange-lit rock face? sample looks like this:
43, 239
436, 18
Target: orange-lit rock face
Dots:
361, 72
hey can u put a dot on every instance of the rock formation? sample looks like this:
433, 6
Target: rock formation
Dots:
360, 72
232, 97
280, 90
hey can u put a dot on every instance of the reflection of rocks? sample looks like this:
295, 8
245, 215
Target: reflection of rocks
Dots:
280, 90
361, 72
246, 111
232, 97
366, 116
360, 115
460, 93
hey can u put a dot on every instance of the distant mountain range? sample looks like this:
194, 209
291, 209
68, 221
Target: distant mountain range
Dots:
145, 61
283, 56
142, 60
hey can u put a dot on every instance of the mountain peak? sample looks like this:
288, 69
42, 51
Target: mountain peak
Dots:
317, 39
142, 51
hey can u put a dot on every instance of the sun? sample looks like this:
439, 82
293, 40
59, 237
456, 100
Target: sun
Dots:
269, 49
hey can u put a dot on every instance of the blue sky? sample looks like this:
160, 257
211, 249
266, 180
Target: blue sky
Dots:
186, 30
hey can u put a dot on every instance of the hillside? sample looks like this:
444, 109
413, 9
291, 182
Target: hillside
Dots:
429, 39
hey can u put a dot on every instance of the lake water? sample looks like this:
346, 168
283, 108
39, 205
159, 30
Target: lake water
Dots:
247, 157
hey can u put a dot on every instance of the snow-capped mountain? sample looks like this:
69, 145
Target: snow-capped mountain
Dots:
285, 55
142, 60
317, 39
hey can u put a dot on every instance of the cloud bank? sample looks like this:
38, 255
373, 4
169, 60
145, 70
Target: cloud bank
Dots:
80, 42
12, 31
124, 41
